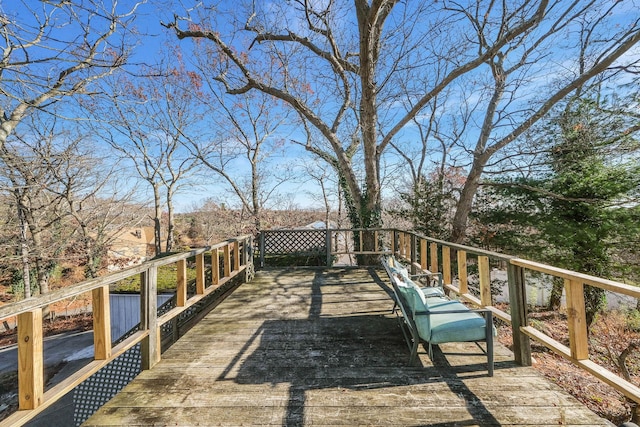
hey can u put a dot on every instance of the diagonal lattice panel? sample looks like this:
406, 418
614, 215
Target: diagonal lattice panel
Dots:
285, 242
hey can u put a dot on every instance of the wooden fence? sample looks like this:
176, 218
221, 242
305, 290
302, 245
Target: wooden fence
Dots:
228, 259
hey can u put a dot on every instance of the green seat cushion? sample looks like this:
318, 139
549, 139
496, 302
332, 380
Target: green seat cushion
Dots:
449, 327
413, 297
433, 291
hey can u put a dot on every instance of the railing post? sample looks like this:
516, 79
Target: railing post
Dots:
181, 288
327, 244
249, 251
396, 242
30, 360
463, 283
433, 248
413, 255
261, 245
577, 319
226, 262
376, 241
485, 280
200, 285
249, 270
215, 267
423, 254
236, 256
407, 245
150, 345
446, 264
101, 323
518, 306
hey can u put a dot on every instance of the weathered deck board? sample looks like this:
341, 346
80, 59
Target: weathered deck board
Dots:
320, 347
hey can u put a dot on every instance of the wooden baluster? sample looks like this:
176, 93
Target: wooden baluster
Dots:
200, 285
423, 254
395, 248
150, 345
261, 248
101, 323
376, 246
485, 280
236, 256
577, 319
518, 308
215, 266
463, 282
181, 289
413, 252
30, 360
226, 264
407, 246
446, 265
433, 248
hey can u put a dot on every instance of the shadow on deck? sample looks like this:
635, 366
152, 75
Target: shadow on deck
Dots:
321, 347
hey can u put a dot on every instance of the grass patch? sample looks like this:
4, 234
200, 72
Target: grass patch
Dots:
167, 279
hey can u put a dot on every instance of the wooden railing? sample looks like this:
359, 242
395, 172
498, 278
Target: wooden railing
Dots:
455, 262
231, 257
436, 255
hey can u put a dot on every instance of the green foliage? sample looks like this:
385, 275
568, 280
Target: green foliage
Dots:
633, 320
426, 208
167, 277
431, 201
573, 215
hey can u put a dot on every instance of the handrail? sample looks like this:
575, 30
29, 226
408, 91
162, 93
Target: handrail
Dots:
237, 257
435, 255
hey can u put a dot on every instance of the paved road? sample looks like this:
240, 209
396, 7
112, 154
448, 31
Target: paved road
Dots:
57, 348
74, 347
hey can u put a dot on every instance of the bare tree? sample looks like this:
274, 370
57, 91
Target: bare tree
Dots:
323, 177
100, 206
56, 50
339, 66
30, 166
214, 222
247, 149
148, 122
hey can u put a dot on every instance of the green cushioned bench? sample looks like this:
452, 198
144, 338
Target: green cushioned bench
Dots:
427, 315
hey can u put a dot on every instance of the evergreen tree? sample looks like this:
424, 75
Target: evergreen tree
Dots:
430, 204
573, 215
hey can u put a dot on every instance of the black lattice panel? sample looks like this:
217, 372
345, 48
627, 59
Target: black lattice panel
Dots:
286, 242
96, 390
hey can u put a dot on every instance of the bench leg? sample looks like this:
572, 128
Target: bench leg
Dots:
414, 352
489, 341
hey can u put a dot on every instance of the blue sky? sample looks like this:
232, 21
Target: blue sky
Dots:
465, 93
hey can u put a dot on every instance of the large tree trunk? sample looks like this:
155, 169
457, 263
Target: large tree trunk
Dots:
43, 266
465, 203
26, 266
24, 254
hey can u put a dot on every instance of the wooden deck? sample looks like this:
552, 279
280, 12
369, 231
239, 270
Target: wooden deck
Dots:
320, 347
